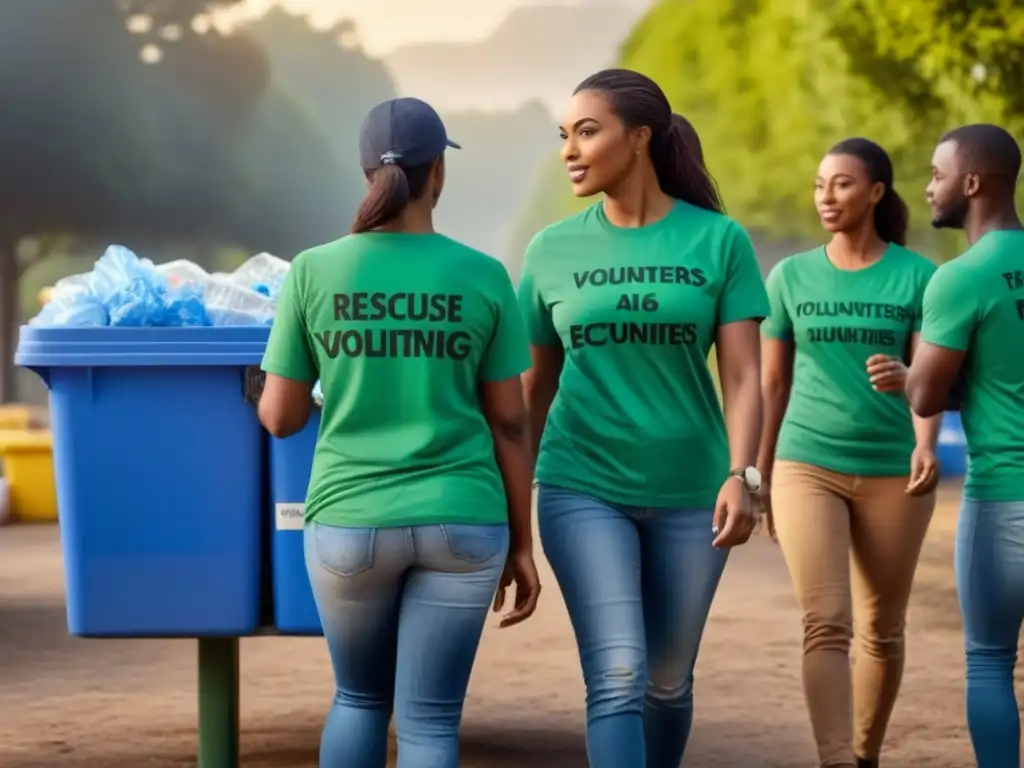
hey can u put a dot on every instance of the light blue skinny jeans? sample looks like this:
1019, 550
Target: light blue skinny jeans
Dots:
990, 585
638, 584
402, 611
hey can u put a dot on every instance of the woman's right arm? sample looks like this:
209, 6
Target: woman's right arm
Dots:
540, 384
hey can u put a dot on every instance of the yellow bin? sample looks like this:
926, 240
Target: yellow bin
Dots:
27, 457
15, 417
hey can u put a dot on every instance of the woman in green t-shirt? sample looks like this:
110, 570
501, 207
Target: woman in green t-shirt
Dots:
419, 499
851, 470
643, 484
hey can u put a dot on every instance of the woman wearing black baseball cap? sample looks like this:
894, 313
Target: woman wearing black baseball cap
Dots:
418, 508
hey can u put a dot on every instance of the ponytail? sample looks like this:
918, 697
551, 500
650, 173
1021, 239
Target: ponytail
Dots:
892, 218
679, 164
391, 189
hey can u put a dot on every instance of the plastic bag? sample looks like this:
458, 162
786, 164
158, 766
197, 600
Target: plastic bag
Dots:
72, 304
263, 273
137, 295
126, 291
185, 307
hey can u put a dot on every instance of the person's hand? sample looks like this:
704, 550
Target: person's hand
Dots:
887, 373
924, 472
520, 569
735, 518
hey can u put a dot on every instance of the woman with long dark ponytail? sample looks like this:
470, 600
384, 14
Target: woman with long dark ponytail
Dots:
850, 469
418, 507
644, 485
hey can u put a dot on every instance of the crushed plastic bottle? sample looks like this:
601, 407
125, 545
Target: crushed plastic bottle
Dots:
228, 303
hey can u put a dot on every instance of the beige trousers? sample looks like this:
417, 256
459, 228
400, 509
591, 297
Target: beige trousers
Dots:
851, 545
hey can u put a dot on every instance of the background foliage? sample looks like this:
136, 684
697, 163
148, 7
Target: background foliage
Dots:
772, 84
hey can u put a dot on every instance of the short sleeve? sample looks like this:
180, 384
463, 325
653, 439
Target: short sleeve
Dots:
540, 330
507, 354
288, 352
924, 278
743, 295
778, 324
948, 316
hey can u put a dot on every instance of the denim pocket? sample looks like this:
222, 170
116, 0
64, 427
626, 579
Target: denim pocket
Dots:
475, 543
344, 551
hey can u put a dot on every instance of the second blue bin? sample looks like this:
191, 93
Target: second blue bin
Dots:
952, 446
157, 457
291, 461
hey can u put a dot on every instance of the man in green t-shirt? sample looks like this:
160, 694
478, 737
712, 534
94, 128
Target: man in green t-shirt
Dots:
974, 328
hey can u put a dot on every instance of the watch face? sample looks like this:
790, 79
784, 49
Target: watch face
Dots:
752, 477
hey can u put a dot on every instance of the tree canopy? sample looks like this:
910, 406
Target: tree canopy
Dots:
771, 85
964, 56
198, 144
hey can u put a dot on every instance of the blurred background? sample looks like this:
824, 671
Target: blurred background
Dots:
211, 130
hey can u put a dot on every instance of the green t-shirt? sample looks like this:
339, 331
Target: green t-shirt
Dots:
975, 303
637, 419
836, 320
400, 329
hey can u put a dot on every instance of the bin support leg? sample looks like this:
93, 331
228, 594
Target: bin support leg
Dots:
218, 702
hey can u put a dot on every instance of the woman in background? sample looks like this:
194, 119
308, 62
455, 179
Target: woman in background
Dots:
850, 468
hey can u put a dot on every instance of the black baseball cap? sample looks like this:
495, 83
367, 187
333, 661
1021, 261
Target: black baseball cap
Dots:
405, 132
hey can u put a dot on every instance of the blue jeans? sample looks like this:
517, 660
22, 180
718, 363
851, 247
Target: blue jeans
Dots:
402, 611
638, 584
990, 584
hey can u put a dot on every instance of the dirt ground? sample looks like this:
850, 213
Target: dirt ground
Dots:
78, 703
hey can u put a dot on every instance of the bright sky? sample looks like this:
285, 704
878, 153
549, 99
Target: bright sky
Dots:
386, 24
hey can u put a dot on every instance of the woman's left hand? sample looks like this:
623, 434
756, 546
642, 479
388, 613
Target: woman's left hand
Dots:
735, 518
886, 373
924, 472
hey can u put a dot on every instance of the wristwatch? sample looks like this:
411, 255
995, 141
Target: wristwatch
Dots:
750, 476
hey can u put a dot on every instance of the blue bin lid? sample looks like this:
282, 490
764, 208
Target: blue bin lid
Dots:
140, 347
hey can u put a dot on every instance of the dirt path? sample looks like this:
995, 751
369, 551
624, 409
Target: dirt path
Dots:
67, 702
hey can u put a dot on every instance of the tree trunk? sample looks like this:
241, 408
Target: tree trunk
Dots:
10, 274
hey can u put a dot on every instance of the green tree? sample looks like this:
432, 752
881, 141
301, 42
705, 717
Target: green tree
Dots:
966, 56
327, 74
107, 148
771, 84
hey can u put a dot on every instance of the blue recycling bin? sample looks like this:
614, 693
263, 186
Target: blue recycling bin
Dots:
291, 461
951, 450
157, 457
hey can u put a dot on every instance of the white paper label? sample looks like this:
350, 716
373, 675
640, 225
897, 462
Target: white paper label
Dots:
289, 516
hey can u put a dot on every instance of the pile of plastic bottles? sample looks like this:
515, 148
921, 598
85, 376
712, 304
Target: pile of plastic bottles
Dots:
124, 290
